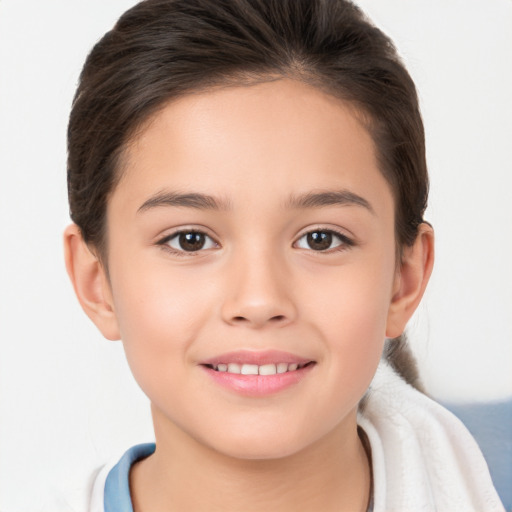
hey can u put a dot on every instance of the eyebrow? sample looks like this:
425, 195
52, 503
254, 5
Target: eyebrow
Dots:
188, 200
207, 202
328, 198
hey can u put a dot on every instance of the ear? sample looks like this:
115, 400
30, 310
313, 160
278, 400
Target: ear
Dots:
411, 280
90, 282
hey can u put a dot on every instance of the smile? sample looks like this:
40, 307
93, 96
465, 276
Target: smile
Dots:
254, 369
257, 373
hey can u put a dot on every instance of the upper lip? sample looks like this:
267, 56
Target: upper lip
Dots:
260, 357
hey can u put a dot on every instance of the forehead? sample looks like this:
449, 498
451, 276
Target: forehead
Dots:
253, 144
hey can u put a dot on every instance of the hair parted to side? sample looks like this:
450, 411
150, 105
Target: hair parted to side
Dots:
162, 49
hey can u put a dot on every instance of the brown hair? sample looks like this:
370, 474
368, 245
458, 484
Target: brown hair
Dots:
161, 49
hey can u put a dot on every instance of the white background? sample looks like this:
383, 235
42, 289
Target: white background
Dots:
67, 400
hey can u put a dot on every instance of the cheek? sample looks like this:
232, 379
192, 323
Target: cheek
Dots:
159, 316
350, 308
352, 299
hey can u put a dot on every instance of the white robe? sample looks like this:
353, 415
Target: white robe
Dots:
423, 457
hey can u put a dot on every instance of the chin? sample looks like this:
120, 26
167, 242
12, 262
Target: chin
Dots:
256, 446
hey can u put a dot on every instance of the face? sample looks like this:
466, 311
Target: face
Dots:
252, 232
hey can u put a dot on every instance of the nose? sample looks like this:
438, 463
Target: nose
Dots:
259, 293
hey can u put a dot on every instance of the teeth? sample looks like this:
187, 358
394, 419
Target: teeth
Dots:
268, 369
233, 368
254, 369
282, 367
249, 369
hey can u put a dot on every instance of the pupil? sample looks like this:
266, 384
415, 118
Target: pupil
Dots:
191, 241
319, 240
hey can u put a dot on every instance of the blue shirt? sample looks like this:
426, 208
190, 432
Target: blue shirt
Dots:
117, 485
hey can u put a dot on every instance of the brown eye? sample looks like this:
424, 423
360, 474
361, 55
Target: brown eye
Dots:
319, 240
323, 240
189, 241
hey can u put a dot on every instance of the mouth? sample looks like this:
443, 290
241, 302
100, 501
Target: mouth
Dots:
257, 374
255, 369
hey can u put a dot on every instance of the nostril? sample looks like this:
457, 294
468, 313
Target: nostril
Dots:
258, 317
274, 319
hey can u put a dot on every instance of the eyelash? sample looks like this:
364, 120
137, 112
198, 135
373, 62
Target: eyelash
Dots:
164, 242
345, 242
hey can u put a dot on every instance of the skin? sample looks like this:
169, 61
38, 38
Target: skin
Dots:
256, 285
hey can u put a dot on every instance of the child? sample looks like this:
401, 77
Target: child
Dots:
247, 182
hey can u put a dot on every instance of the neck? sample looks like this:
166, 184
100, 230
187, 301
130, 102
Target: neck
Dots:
331, 474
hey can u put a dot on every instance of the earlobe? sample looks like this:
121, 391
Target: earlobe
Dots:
90, 283
411, 280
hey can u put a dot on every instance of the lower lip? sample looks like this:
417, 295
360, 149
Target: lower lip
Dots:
258, 385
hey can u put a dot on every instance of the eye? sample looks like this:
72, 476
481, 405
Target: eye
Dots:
323, 240
188, 241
